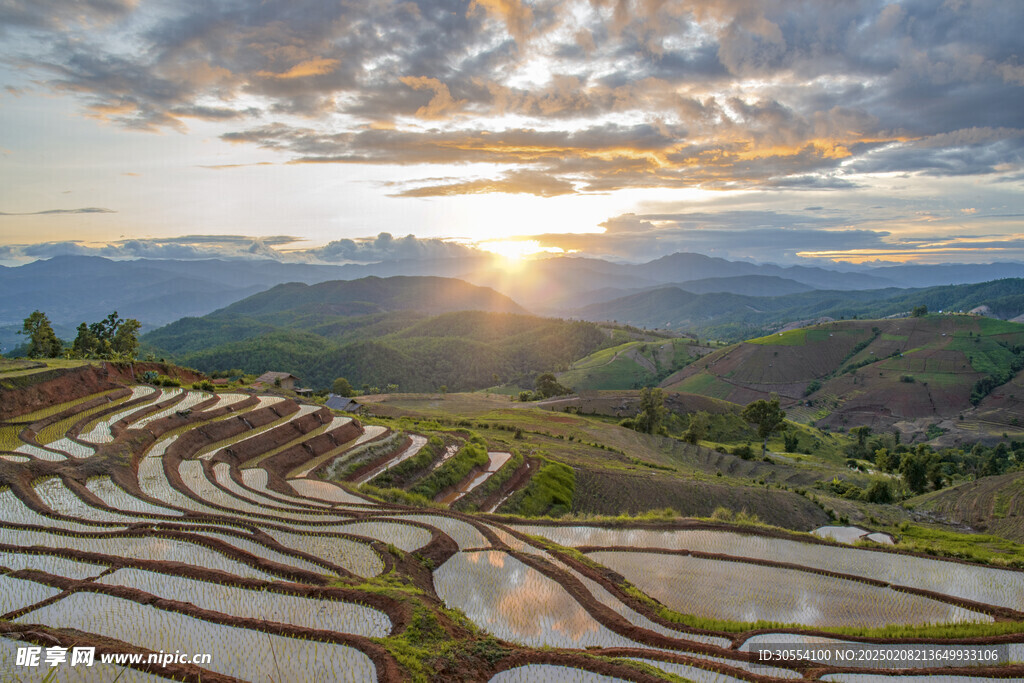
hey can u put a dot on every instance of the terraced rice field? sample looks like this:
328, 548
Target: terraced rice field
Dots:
971, 582
283, 576
745, 592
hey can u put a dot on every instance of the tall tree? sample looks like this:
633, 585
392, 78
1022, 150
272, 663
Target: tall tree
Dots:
767, 417
547, 386
652, 411
342, 387
43, 341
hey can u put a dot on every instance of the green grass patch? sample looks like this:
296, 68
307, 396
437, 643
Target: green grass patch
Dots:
983, 548
452, 472
797, 337
550, 492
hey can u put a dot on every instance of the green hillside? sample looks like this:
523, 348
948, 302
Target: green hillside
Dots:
631, 365
870, 372
462, 351
734, 316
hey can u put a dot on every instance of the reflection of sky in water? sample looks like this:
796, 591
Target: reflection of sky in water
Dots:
515, 602
981, 584
746, 592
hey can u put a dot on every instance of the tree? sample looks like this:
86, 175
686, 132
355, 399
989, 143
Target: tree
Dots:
125, 342
878, 491
698, 428
547, 386
43, 342
919, 311
914, 470
86, 344
652, 411
341, 387
767, 417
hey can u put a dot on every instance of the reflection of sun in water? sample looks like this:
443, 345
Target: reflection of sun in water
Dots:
514, 251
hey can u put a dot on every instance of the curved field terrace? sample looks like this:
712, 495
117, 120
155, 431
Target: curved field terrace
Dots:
140, 520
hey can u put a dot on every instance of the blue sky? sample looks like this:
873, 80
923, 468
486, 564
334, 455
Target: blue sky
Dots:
810, 132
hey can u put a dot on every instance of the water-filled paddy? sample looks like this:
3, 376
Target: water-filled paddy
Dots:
549, 673
20, 593
116, 497
463, 533
325, 491
143, 548
402, 536
328, 615
99, 672
232, 648
972, 582
515, 602
356, 557
51, 564
746, 592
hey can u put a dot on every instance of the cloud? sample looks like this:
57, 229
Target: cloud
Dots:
598, 95
52, 212
385, 247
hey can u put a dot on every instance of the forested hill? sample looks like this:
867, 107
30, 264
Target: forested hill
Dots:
374, 295
380, 331
736, 317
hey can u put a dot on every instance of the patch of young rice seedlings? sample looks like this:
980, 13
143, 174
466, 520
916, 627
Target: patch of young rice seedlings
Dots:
463, 533
417, 442
20, 593
550, 673
925, 660
739, 591
116, 497
9, 440
59, 429
698, 675
972, 582
52, 410
138, 547
59, 498
266, 553
11, 671
402, 536
194, 477
324, 490
370, 432
10, 457
265, 401
13, 511
191, 399
258, 480
328, 615
242, 653
515, 602
99, 432
40, 453
356, 557
153, 481
73, 448
51, 564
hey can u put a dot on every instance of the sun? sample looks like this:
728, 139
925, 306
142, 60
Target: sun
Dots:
517, 250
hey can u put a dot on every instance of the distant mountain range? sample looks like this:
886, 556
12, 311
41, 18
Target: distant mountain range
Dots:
75, 289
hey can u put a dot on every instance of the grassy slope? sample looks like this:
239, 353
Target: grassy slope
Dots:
869, 370
630, 365
991, 504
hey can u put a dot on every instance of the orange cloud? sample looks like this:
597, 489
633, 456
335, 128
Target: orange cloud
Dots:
441, 104
318, 66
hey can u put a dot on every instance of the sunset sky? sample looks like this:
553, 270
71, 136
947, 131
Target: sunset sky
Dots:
790, 132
